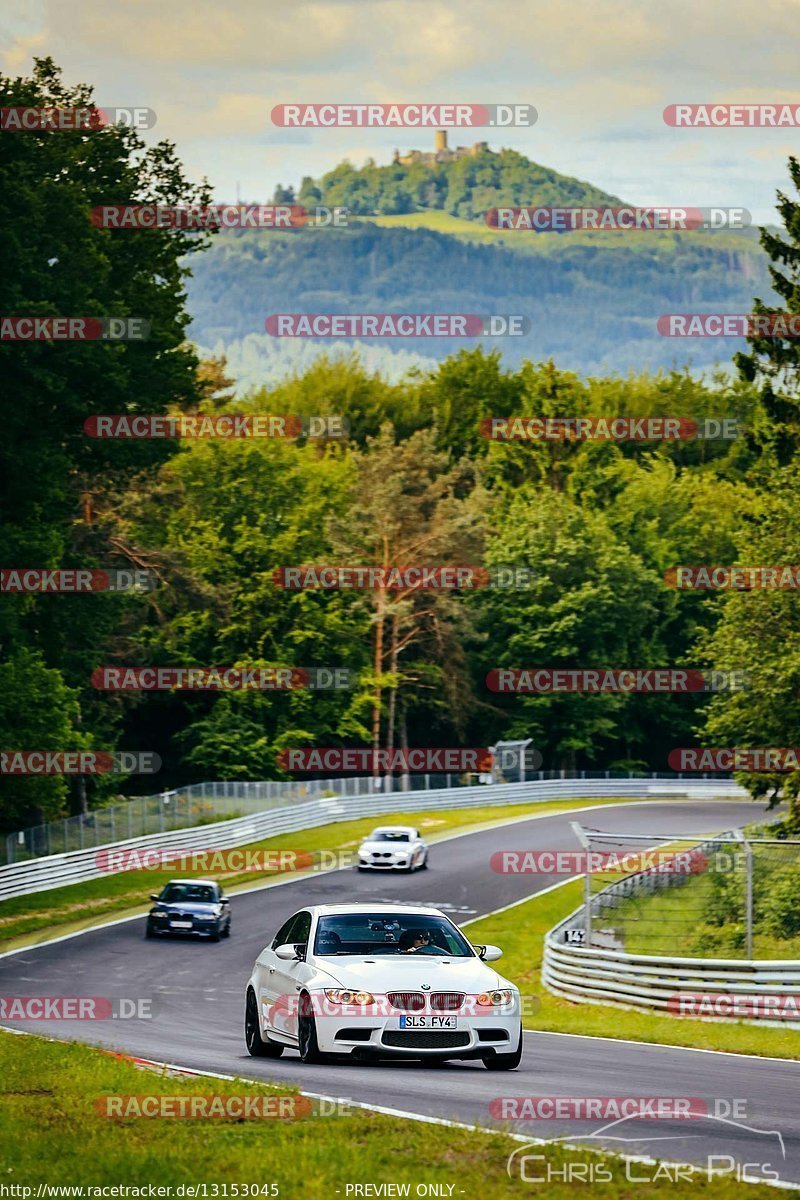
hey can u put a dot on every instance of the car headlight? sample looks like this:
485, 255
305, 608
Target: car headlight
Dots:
159, 912
345, 996
495, 999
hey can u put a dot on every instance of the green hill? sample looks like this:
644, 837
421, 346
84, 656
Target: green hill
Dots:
465, 187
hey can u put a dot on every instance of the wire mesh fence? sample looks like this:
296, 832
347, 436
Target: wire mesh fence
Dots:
727, 896
204, 803
197, 804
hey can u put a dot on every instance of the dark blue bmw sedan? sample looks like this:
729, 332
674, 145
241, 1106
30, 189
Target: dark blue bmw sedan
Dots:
195, 906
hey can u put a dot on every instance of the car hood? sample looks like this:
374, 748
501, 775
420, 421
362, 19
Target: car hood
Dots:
410, 972
197, 908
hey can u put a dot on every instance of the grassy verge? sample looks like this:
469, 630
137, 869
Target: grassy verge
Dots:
667, 242
520, 931
66, 909
53, 1133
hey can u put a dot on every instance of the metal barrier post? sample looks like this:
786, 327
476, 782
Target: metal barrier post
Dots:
748, 891
577, 829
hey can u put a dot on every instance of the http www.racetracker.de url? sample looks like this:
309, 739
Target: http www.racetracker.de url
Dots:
41, 1191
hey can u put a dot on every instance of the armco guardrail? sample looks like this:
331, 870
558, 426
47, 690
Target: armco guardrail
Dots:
57, 870
185, 807
204, 803
681, 986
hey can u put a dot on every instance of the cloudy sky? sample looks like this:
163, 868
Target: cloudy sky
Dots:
599, 75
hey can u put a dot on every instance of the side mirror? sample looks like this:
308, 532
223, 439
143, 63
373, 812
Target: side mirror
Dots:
153, 896
288, 952
224, 900
489, 953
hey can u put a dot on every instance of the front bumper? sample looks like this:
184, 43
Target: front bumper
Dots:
198, 928
388, 861
472, 1035
383, 865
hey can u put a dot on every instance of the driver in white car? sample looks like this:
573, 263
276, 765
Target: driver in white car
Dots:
417, 941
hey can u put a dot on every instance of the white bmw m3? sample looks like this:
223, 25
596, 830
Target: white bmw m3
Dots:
393, 848
387, 981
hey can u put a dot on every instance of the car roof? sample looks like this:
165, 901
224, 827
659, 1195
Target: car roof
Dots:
394, 829
206, 882
325, 910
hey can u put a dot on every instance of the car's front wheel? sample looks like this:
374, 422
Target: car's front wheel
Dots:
505, 1062
256, 1045
307, 1032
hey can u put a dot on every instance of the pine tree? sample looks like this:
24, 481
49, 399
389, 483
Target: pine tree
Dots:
774, 362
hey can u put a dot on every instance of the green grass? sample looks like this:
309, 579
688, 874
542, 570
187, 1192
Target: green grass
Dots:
520, 932
52, 1133
528, 242
437, 219
80, 905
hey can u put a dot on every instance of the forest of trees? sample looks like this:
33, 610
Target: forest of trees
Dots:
598, 524
592, 307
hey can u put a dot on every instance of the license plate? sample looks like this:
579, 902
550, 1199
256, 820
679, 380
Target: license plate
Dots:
408, 1022
180, 924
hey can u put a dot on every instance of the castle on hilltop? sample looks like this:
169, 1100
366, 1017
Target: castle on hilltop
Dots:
442, 153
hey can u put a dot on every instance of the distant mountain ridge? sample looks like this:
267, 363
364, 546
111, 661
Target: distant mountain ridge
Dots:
418, 242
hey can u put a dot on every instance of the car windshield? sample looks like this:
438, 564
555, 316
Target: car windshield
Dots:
184, 893
389, 835
389, 933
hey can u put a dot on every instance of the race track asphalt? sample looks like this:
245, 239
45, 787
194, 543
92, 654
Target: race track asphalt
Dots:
196, 991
